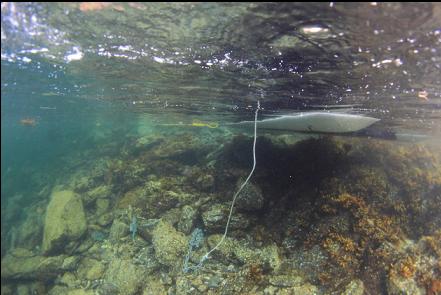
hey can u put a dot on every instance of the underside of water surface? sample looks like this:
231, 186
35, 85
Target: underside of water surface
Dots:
121, 152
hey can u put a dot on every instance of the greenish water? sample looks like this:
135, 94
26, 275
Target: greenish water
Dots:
124, 110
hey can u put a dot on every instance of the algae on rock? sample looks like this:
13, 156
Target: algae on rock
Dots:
169, 244
22, 264
267, 256
65, 221
127, 276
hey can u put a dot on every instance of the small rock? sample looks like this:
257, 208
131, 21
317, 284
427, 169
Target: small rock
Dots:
97, 236
169, 244
205, 182
22, 290
128, 277
135, 198
185, 224
90, 269
302, 289
100, 192
184, 286
80, 292
102, 205
146, 228
32, 288
70, 262
270, 256
84, 246
172, 216
355, 287
82, 184
118, 230
398, 285
286, 280
270, 290
68, 279
6, 289
166, 279
155, 287
215, 219
58, 289
250, 198
190, 285
214, 281
23, 264
65, 221
267, 256
145, 141
153, 199
30, 231
105, 219
107, 288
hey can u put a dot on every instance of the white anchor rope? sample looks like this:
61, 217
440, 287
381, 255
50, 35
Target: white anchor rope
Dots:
206, 256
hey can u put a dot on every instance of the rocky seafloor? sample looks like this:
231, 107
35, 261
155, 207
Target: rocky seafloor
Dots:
322, 215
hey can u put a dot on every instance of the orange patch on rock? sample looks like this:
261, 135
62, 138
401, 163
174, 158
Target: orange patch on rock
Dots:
92, 6
28, 122
423, 95
434, 288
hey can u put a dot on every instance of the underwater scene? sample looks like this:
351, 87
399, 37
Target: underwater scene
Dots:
220, 148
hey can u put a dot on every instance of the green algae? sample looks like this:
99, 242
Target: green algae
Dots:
337, 214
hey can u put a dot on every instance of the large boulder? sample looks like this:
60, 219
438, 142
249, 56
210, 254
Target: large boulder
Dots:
65, 221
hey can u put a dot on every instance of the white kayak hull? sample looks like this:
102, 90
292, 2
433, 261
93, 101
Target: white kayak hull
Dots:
320, 122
